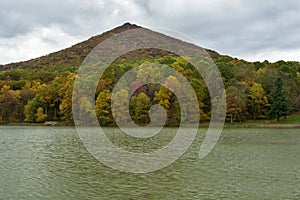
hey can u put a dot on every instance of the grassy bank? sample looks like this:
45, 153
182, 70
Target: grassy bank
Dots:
292, 121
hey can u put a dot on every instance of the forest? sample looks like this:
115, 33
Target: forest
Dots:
254, 91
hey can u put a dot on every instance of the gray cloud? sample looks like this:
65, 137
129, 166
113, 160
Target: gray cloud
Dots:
246, 29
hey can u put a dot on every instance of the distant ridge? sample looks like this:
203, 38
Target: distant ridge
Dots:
74, 55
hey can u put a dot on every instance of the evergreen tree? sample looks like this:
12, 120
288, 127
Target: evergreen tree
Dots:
279, 106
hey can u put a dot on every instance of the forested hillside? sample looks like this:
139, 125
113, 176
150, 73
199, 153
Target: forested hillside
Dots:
40, 90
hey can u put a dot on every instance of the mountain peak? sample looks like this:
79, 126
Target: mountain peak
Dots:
129, 24
126, 26
74, 55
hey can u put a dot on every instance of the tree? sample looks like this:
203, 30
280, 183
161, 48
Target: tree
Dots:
40, 116
148, 73
103, 108
30, 109
265, 77
145, 73
166, 98
119, 102
279, 106
50, 98
9, 100
292, 93
226, 68
257, 101
65, 94
163, 97
140, 107
85, 111
200, 91
236, 102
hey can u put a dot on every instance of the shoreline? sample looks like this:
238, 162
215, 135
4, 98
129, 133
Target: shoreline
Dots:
282, 126
201, 125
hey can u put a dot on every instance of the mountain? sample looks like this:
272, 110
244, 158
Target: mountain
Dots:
41, 89
74, 55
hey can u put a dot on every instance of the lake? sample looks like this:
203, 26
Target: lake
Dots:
52, 163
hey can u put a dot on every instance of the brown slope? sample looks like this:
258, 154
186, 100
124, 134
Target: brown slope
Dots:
74, 55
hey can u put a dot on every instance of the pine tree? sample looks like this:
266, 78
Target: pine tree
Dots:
279, 106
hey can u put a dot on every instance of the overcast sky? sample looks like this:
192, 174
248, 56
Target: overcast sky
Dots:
247, 29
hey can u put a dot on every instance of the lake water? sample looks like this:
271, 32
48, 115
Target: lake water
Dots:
52, 163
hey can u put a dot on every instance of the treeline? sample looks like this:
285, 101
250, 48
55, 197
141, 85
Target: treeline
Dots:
259, 90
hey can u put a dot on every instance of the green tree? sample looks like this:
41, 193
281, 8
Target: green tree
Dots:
279, 106
200, 91
265, 77
226, 68
30, 109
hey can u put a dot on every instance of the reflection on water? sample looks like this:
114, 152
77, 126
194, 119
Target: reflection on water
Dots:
52, 163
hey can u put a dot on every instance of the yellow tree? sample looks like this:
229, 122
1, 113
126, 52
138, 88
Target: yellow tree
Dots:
166, 98
140, 106
120, 101
40, 116
103, 108
257, 101
65, 94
